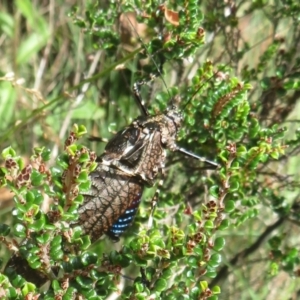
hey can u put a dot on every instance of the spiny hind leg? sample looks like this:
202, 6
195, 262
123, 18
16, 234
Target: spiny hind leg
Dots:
155, 198
137, 94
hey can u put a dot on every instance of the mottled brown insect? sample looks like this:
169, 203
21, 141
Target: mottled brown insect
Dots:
132, 159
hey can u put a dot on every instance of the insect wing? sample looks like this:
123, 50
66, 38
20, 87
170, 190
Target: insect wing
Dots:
112, 193
144, 154
126, 147
119, 145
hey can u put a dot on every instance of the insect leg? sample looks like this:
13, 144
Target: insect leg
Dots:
155, 197
137, 94
153, 204
145, 281
98, 139
138, 97
212, 164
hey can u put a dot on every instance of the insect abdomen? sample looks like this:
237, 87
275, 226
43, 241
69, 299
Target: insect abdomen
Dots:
125, 220
112, 193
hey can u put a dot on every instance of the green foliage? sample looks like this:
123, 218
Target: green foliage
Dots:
209, 227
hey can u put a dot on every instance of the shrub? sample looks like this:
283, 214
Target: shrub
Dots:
203, 218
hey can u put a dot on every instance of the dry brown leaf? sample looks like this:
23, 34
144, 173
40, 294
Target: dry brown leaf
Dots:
172, 16
131, 31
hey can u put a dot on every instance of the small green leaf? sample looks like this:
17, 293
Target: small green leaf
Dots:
139, 287
214, 191
293, 253
4, 230
93, 167
29, 197
83, 177
91, 294
38, 150
275, 154
216, 258
71, 214
89, 258
79, 199
85, 186
8, 152
84, 157
211, 274
56, 241
63, 161
229, 206
219, 244
160, 285
18, 281
36, 178
84, 282
86, 242
209, 224
193, 261
38, 224
56, 286
274, 269
224, 224
241, 150
20, 230
72, 149
203, 285
35, 265
194, 293
43, 238
81, 130
254, 128
11, 293
56, 254
28, 288
68, 267
46, 155
216, 289
234, 186
77, 233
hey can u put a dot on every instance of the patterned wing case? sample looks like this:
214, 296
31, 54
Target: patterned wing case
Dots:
111, 203
139, 149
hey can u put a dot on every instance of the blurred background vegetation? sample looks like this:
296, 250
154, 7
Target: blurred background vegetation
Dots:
66, 62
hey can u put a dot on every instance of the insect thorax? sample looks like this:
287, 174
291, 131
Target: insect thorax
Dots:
139, 149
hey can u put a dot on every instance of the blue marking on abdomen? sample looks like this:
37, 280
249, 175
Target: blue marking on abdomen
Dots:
125, 220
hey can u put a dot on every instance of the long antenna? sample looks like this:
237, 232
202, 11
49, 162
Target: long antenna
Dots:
159, 68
